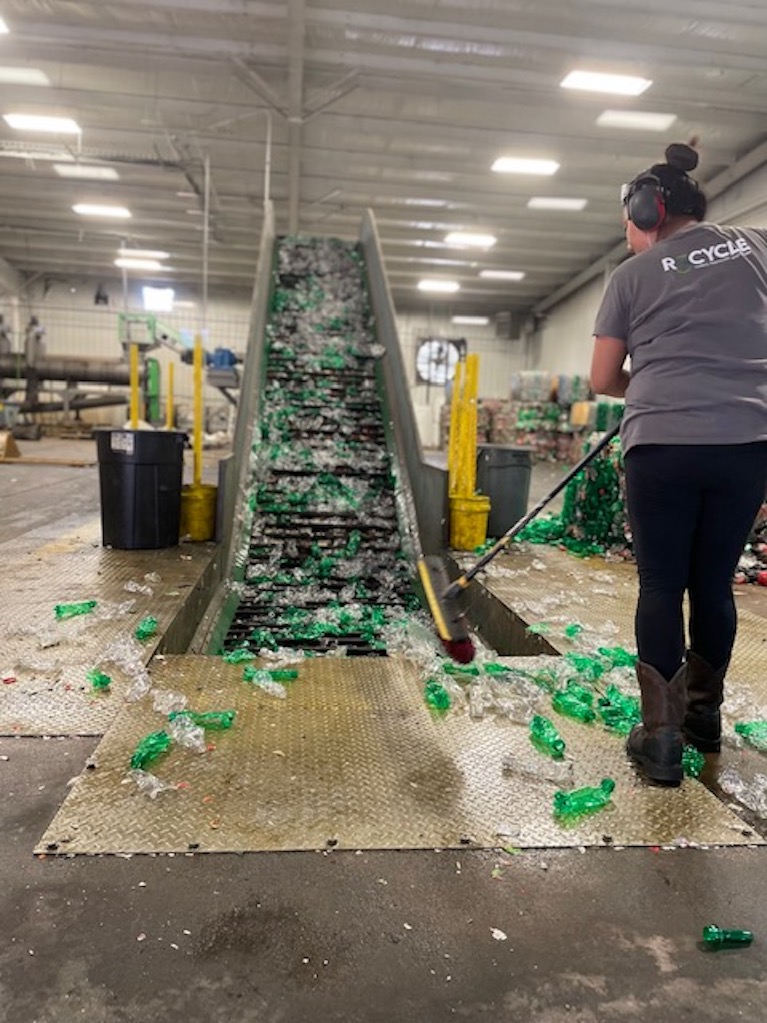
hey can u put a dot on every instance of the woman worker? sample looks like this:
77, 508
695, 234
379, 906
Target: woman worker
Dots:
690, 311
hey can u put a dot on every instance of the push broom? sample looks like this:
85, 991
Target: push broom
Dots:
442, 595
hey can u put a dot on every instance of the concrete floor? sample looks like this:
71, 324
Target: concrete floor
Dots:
604, 935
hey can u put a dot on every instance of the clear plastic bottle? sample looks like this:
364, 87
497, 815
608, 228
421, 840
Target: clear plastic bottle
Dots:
558, 772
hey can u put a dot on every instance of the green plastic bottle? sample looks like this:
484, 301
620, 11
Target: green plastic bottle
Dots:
693, 762
584, 801
546, 738
215, 719
146, 628
82, 607
618, 711
574, 702
437, 697
720, 937
99, 680
754, 732
150, 748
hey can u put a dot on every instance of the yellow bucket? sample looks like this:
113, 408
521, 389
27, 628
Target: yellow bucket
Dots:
468, 521
198, 511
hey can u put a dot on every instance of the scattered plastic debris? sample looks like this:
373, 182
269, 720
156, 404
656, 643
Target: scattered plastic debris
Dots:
217, 720
546, 738
754, 732
719, 937
498, 934
150, 748
150, 784
693, 762
99, 680
146, 628
579, 803
558, 772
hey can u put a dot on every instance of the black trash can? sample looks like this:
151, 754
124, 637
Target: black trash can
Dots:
140, 475
503, 474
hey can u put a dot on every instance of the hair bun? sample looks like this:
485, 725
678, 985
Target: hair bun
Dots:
681, 157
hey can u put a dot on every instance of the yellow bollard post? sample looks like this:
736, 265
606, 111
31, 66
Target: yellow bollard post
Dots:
468, 510
169, 400
134, 391
453, 436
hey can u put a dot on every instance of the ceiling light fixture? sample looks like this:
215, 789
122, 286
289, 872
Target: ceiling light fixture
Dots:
524, 165
471, 321
546, 202
446, 287
467, 240
85, 172
139, 264
23, 76
596, 81
142, 254
635, 120
4, 30
40, 122
89, 209
502, 275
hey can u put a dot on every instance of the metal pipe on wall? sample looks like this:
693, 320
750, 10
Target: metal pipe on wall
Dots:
95, 371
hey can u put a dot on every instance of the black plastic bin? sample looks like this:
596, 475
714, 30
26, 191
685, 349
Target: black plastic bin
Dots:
503, 474
140, 476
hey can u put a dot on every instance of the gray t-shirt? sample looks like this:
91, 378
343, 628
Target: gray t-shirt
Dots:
693, 313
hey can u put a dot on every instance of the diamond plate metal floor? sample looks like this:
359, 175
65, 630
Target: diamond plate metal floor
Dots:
354, 759
545, 584
64, 562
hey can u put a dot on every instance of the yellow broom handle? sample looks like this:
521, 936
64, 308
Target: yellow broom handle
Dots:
169, 401
197, 410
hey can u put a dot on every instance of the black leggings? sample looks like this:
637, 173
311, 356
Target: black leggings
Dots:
691, 508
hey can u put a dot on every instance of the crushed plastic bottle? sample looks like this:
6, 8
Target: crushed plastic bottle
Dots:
546, 738
146, 628
239, 656
720, 937
142, 684
150, 748
152, 577
617, 656
558, 772
134, 587
187, 734
82, 607
751, 794
589, 668
693, 762
575, 702
754, 732
99, 680
618, 711
165, 701
263, 679
436, 696
218, 720
150, 784
584, 801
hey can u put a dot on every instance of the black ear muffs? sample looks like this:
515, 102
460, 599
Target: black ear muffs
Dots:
646, 203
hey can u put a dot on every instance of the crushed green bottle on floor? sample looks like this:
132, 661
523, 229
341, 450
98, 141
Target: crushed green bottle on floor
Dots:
721, 937
146, 628
218, 720
573, 806
436, 696
149, 749
754, 732
693, 762
99, 680
546, 738
81, 607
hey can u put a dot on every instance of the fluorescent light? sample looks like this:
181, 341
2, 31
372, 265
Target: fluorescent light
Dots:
523, 165
464, 238
471, 321
126, 263
142, 254
426, 202
184, 304
448, 287
88, 209
3, 28
545, 202
31, 152
85, 172
23, 76
158, 300
502, 275
35, 122
595, 81
638, 120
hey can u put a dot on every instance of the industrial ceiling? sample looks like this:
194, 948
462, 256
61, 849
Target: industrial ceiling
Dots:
334, 106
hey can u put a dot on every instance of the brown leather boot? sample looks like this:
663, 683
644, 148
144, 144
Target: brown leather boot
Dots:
656, 744
705, 691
